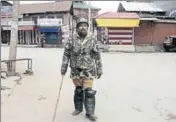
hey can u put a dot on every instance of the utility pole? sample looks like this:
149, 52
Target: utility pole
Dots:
13, 38
0, 36
89, 17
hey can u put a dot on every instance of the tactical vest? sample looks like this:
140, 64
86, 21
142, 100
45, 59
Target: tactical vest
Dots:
82, 54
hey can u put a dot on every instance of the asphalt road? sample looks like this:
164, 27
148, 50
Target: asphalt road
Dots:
137, 87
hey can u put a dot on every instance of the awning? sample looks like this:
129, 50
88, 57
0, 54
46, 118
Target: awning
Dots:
49, 29
117, 22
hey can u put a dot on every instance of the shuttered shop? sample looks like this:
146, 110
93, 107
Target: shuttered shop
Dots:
120, 35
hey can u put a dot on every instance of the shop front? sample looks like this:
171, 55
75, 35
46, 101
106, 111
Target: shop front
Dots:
5, 34
52, 35
50, 30
27, 34
119, 27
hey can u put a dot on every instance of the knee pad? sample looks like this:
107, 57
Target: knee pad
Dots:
90, 93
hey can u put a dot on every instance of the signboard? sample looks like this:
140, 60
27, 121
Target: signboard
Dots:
6, 11
26, 23
6, 28
49, 22
6, 21
65, 33
20, 28
65, 28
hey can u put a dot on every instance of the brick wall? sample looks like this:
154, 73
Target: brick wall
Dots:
153, 32
162, 30
143, 34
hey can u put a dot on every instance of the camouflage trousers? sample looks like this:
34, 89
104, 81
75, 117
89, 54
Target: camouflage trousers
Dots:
85, 74
83, 78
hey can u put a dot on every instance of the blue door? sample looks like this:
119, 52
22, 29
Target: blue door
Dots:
52, 34
52, 38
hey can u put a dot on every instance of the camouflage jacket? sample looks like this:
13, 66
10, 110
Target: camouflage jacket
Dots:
84, 57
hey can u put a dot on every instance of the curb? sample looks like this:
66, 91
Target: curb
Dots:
23, 46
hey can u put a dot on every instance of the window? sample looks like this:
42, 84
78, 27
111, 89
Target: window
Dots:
51, 16
59, 16
42, 16
34, 19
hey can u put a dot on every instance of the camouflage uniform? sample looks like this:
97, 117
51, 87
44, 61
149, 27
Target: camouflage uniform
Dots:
85, 63
84, 57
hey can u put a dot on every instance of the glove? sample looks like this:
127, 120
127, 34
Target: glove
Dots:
63, 72
98, 76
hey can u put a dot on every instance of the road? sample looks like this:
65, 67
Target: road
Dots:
137, 87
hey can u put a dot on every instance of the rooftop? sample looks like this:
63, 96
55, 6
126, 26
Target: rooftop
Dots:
114, 15
45, 7
141, 6
5, 3
61, 6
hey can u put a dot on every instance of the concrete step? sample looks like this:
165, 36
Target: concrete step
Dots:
145, 48
20, 45
121, 48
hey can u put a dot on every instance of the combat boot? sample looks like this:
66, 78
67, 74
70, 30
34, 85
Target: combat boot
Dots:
78, 100
90, 104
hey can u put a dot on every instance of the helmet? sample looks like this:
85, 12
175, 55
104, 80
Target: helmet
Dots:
81, 20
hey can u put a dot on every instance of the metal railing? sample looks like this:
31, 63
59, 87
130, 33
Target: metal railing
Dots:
9, 71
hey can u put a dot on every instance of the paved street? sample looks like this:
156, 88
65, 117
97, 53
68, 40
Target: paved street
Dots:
135, 87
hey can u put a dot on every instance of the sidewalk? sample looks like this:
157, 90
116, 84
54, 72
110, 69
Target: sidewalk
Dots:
121, 48
19, 45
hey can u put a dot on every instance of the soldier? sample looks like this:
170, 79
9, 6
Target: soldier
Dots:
42, 39
83, 54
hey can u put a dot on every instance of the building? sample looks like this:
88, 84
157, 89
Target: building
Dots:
6, 20
117, 27
168, 6
6, 17
5, 3
154, 23
152, 31
60, 9
49, 19
141, 8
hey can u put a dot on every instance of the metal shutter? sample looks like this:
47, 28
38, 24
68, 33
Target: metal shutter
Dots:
120, 35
